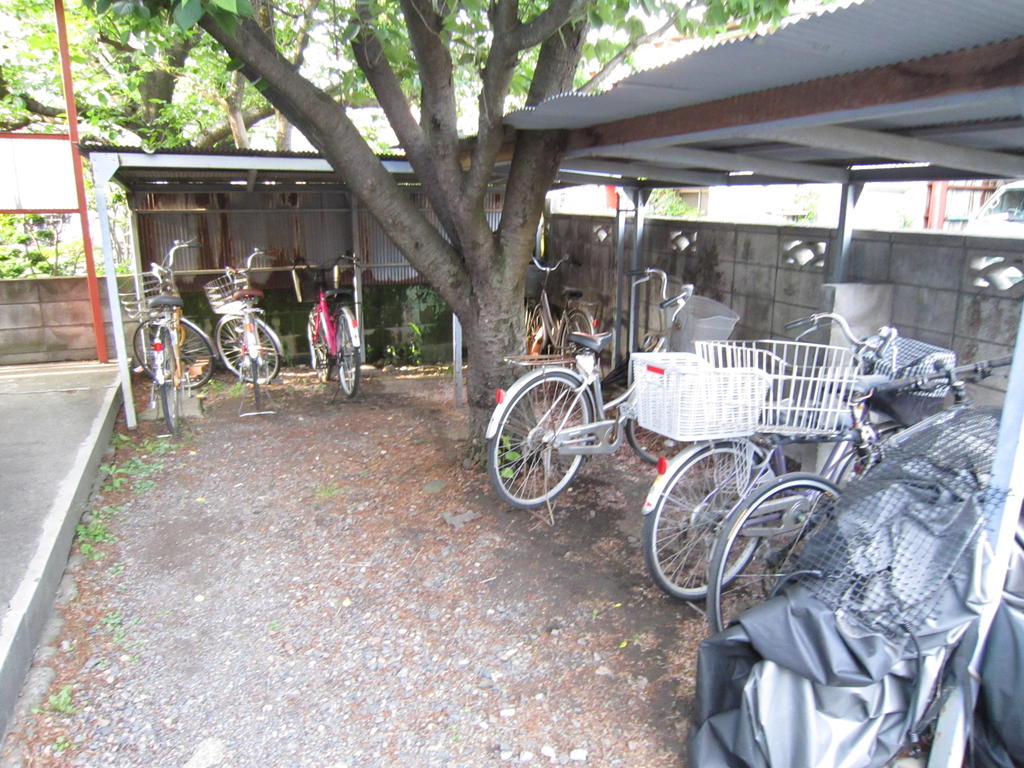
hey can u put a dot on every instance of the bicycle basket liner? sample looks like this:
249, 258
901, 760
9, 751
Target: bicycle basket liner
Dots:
682, 396
910, 358
219, 292
135, 291
812, 385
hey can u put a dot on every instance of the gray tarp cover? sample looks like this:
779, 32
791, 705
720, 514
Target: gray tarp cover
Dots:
801, 683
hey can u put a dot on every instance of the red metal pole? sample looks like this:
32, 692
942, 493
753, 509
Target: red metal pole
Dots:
76, 159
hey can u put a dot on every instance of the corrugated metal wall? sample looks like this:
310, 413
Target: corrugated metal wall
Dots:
316, 225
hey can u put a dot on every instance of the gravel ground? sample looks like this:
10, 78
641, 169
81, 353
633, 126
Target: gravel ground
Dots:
331, 586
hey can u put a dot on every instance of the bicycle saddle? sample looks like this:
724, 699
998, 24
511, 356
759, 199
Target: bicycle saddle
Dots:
341, 293
166, 300
572, 293
247, 293
595, 342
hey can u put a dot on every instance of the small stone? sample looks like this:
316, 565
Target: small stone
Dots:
209, 752
434, 486
525, 756
578, 755
549, 752
507, 712
603, 671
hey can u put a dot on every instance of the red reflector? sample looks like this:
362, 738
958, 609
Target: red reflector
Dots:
595, 323
355, 323
662, 465
659, 371
499, 396
158, 347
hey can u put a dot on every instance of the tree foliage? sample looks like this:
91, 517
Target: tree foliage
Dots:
36, 245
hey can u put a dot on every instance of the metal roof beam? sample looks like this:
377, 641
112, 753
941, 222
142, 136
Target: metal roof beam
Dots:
644, 171
863, 143
684, 157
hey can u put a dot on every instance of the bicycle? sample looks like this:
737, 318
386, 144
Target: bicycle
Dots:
547, 333
170, 376
332, 328
552, 418
762, 539
194, 346
248, 346
817, 401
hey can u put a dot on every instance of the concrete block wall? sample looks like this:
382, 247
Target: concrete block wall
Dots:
48, 319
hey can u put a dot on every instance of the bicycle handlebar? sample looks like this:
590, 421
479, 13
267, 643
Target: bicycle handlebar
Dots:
543, 267
975, 371
168, 262
867, 347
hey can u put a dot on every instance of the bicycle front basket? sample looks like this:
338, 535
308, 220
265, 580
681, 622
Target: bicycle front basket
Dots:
682, 396
220, 292
136, 290
812, 385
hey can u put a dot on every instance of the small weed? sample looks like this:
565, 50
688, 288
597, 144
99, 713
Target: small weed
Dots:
157, 446
130, 474
327, 490
61, 703
62, 744
116, 569
96, 532
114, 623
274, 626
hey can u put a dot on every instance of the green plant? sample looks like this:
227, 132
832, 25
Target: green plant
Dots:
61, 703
326, 490
408, 353
132, 473
62, 744
114, 624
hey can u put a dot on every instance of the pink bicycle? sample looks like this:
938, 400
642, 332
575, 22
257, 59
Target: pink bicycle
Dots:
333, 327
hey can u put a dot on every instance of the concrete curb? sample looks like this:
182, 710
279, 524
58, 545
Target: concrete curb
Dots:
26, 616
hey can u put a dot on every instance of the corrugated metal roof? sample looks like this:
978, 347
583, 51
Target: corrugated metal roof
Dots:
841, 39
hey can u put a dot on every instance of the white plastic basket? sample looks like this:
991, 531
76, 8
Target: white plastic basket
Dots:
684, 397
812, 385
220, 292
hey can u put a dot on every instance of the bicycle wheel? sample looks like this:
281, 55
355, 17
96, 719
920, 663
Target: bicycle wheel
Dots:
348, 353
197, 355
319, 351
523, 467
686, 507
536, 338
650, 446
170, 393
229, 345
759, 543
575, 320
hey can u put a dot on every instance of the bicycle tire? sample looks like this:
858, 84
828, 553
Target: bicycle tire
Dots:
195, 350
755, 551
685, 508
229, 345
575, 320
648, 445
536, 337
348, 362
523, 469
319, 350
170, 392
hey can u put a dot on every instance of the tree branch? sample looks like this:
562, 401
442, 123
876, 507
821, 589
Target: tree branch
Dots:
330, 130
604, 75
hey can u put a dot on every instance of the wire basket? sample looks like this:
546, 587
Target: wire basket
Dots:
812, 385
898, 533
139, 289
221, 292
684, 397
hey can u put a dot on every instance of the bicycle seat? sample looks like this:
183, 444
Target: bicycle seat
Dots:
595, 342
166, 300
247, 293
339, 293
572, 293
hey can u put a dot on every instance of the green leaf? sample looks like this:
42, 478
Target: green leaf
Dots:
188, 14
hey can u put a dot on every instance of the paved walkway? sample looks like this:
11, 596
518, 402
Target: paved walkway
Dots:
55, 424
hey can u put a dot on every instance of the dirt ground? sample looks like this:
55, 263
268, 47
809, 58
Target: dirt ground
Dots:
332, 586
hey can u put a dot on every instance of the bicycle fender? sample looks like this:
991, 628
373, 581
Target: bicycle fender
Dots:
353, 331
520, 384
658, 486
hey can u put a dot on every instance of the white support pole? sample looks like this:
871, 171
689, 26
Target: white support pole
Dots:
954, 723
103, 169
